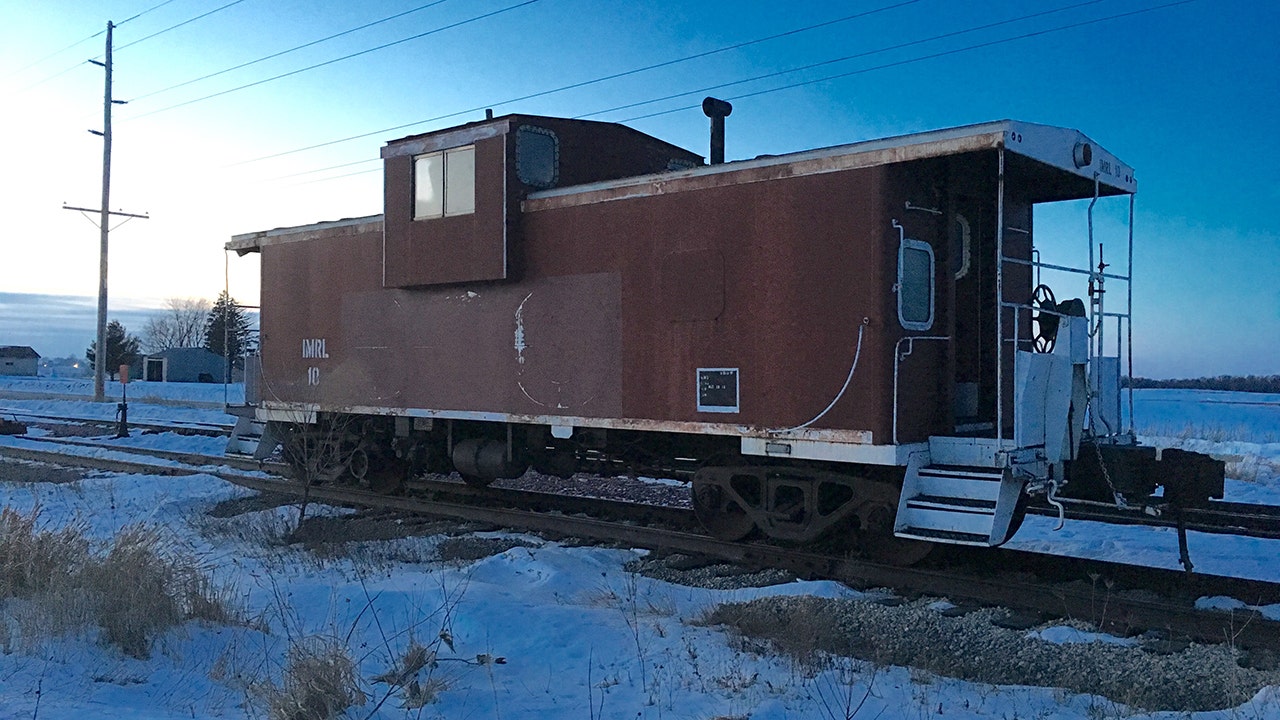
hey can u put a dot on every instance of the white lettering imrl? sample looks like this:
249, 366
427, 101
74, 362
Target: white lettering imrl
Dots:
314, 348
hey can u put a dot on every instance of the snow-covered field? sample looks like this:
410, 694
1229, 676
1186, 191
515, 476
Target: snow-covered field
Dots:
541, 629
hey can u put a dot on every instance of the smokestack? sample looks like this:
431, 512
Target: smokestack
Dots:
717, 110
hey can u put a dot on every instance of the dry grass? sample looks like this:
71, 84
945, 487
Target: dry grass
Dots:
145, 592
320, 682
34, 561
132, 588
26, 471
1212, 432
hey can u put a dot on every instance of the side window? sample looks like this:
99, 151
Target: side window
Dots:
915, 284
444, 183
537, 157
960, 249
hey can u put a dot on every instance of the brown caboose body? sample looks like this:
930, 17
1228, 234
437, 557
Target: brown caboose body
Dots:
792, 330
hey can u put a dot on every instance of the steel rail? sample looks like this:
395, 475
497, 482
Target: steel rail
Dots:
11, 394
1218, 517
187, 458
198, 428
1118, 612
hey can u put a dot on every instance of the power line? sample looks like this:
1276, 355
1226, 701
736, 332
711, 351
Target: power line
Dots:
323, 169
846, 58
339, 59
344, 175
60, 73
144, 12
292, 49
898, 63
910, 61
55, 54
54, 76
682, 94
576, 85
175, 27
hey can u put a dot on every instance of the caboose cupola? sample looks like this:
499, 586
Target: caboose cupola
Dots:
452, 197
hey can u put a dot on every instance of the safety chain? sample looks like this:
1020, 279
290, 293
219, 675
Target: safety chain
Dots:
1115, 494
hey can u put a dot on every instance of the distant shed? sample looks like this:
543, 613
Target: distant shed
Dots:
184, 365
19, 360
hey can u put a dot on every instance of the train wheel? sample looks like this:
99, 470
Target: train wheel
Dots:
358, 465
721, 515
876, 516
386, 473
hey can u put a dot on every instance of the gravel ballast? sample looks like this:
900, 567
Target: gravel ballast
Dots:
970, 647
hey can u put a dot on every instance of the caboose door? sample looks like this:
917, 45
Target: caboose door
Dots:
972, 267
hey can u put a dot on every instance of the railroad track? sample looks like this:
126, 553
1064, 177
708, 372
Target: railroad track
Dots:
179, 426
1219, 517
145, 399
1108, 594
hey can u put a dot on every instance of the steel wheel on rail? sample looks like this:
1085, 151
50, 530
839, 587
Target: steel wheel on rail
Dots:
358, 464
719, 513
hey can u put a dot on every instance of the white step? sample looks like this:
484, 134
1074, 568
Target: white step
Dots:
957, 504
251, 438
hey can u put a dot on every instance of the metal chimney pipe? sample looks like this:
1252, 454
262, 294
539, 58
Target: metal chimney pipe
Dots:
717, 110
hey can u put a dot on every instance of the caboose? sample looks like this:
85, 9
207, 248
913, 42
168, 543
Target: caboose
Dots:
849, 341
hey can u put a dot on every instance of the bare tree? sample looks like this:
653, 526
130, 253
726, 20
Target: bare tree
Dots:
180, 324
321, 452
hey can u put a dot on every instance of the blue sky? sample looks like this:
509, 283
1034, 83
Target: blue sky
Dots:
1186, 94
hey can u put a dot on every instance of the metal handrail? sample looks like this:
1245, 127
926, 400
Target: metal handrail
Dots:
1064, 268
1096, 313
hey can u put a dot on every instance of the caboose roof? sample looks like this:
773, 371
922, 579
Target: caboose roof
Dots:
1042, 157
472, 131
1048, 153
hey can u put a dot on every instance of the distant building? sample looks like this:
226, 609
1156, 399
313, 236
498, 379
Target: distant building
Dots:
184, 365
19, 360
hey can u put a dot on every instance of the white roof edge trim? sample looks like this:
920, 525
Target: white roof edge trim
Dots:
252, 240
1045, 143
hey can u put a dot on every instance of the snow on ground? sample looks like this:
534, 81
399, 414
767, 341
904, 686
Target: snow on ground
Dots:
1216, 415
202, 393
1241, 428
578, 634
139, 412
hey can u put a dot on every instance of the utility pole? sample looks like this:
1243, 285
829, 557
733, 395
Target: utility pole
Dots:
104, 227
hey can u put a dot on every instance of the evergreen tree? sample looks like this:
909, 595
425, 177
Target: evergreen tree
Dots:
122, 349
228, 325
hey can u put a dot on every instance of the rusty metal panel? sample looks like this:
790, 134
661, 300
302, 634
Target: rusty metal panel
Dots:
449, 249
334, 337
802, 263
589, 331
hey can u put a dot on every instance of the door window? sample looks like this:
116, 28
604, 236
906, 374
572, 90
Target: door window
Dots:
915, 284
